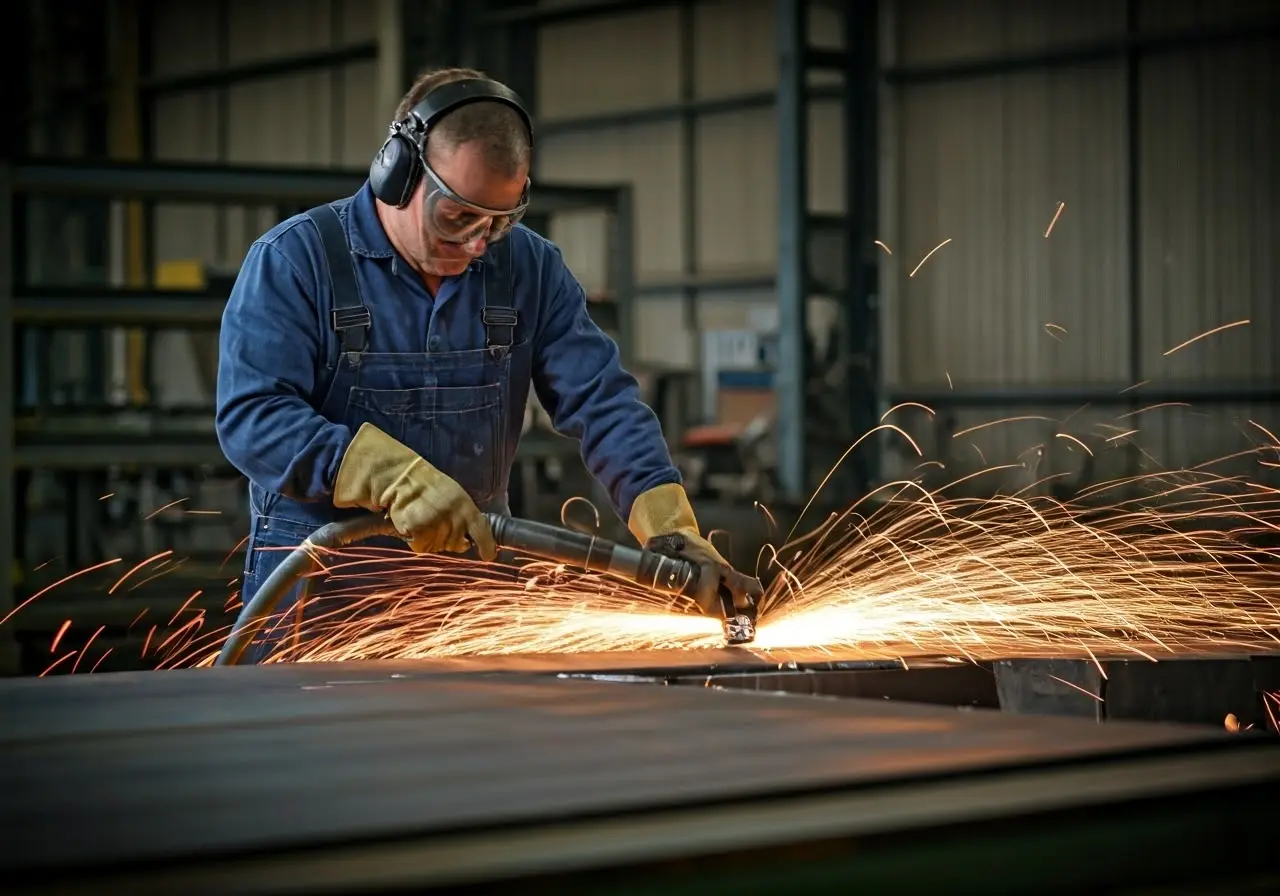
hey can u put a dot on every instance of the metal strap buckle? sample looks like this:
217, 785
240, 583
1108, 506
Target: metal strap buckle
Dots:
499, 317
351, 318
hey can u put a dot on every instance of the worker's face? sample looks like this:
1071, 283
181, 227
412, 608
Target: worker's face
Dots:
463, 206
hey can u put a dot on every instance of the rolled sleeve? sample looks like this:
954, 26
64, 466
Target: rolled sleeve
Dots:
579, 378
269, 366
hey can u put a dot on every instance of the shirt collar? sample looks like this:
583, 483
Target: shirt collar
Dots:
364, 230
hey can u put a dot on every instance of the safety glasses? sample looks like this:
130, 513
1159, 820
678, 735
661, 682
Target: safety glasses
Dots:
455, 220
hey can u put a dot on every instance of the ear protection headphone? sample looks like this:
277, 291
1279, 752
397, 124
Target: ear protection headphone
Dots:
397, 168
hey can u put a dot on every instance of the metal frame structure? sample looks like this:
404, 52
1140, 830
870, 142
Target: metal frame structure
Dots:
856, 63
507, 25
863, 78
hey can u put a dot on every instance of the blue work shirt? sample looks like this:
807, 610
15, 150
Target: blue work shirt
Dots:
278, 355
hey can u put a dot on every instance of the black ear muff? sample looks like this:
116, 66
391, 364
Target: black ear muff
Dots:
395, 170
397, 167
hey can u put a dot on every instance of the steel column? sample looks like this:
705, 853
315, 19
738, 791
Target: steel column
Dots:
690, 290
1133, 204
8, 365
793, 244
506, 49
862, 329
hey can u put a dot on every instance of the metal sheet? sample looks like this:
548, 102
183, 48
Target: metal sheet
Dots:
131, 767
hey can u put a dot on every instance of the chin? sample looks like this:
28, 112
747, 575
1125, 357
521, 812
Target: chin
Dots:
448, 267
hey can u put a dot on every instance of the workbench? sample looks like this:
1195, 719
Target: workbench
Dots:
568, 775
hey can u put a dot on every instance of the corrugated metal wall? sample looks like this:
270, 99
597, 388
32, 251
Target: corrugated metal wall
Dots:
634, 61
985, 162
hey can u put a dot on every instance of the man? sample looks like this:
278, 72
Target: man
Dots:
390, 373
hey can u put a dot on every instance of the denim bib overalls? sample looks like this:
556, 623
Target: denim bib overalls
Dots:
450, 407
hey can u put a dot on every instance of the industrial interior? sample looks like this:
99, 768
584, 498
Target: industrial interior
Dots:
958, 317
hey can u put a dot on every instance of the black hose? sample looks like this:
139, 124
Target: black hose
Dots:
302, 561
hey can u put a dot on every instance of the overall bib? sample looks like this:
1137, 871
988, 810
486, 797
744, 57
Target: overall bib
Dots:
450, 407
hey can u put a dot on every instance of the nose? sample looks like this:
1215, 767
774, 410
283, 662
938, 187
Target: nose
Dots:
475, 247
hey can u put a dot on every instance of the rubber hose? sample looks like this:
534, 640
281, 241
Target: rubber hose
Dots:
302, 561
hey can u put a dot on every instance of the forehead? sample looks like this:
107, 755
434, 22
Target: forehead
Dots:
466, 171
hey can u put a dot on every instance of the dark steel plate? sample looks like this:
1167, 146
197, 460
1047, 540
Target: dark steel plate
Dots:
133, 767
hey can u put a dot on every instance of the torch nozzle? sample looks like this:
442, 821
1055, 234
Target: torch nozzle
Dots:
739, 629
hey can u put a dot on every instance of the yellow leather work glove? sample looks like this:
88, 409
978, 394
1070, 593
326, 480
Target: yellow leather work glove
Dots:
665, 510
662, 520
427, 507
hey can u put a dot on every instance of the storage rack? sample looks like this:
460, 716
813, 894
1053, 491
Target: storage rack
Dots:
86, 440
819, 254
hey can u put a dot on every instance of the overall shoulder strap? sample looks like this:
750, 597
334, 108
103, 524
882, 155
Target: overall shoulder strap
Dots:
350, 319
499, 312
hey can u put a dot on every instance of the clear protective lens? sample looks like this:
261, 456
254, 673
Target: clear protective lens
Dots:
454, 222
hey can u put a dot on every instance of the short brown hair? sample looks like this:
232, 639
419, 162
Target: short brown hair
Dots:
496, 126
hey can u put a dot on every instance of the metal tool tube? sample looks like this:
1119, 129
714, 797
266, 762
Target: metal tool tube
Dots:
548, 542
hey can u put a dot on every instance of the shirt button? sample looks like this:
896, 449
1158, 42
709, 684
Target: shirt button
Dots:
434, 343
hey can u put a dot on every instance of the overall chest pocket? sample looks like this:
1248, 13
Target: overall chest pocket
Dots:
457, 429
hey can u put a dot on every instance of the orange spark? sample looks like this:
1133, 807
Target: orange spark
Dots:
1275, 443
1207, 333
62, 581
160, 510
121, 580
1084, 691
184, 606
1000, 422
80, 654
927, 257
1049, 229
57, 638
58, 662
1071, 438
907, 404
1155, 407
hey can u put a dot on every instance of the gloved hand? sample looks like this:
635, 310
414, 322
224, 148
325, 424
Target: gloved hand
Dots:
427, 507
662, 520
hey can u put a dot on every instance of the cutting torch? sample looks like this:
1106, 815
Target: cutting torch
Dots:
704, 584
